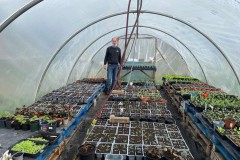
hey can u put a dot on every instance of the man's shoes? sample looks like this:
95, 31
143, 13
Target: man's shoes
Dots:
105, 89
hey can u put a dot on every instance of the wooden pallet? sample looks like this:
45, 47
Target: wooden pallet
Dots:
182, 112
58, 151
202, 139
215, 154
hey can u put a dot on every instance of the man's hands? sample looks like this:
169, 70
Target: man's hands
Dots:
105, 66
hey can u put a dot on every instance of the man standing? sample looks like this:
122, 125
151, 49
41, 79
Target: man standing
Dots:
111, 63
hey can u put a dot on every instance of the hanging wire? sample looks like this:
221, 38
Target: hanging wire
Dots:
130, 75
124, 52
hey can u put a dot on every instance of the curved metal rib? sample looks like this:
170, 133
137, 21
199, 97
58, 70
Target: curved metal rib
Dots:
18, 13
144, 34
120, 13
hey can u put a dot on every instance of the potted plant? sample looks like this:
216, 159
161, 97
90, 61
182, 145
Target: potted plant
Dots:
3, 117
8, 118
87, 151
34, 124
16, 122
154, 153
52, 125
230, 122
44, 123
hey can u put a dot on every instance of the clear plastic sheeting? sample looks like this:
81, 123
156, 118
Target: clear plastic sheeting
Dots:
9, 7
57, 42
169, 61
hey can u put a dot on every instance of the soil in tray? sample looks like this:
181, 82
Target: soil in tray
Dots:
103, 148
149, 132
112, 124
149, 140
145, 112
104, 115
144, 105
107, 138
136, 131
120, 149
111, 130
123, 130
175, 135
165, 112
131, 150
135, 139
235, 140
138, 150
98, 129
172, 128
94, 137
136, 124
159, 126
148, 125
121, 139
135, 150
179, 144
135, 117
164, 141
155, 112
161, 133
101, 122
124, 125
133, 111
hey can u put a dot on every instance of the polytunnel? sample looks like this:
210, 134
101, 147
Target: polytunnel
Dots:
48, 44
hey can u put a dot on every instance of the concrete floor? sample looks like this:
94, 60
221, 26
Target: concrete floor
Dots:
10, 136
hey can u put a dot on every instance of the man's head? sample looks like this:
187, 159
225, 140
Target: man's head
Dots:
114, 41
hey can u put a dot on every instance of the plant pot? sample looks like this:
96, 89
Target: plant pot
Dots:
65, 121
8, 124
25, 127
218, 124
230, 123
16, 125
114, 157
2, 123
44, 126
18, 156
34, 126
59, 122
86, 152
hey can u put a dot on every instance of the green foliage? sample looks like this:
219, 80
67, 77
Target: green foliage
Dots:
221, 130
20, 119
38, 139
28, 146
5, 114
50, 121
32, 119
220, 100
179, 78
